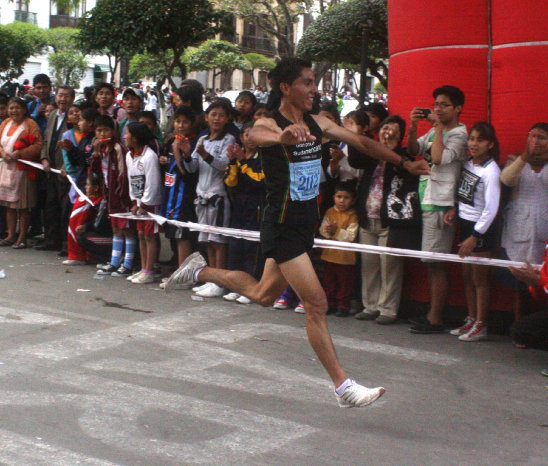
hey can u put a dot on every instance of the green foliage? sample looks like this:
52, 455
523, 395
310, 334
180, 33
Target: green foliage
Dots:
378, 88
219, 55
66, 62
335, 36
155, 66
259, 61
18, 42
125, 27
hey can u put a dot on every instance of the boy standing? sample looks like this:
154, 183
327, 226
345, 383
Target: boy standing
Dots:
340, 223
444, 148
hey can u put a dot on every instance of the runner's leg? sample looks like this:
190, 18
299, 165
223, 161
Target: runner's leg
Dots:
263, 292
300, 274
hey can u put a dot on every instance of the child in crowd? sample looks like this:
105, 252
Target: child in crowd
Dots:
245, 103
179, 184
106, 104
83, 213
210, 159
340, 223
260, 111
77, 148
478, 194
132, 102
145, 191
109, 162
49, 108
149, 118
73, 115
245, 178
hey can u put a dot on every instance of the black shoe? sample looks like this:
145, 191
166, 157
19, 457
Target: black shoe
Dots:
47, 247
62, 253
342, 313
331, 311
426, 328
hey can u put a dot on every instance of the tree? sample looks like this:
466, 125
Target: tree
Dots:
18, 42
335, 36
67, 63
219, 56
260, 62
275, 18
153, 66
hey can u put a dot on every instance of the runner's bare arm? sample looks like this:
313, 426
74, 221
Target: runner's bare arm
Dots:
267, 133
368, 146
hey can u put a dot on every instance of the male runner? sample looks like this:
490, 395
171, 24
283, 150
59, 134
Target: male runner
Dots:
290, 145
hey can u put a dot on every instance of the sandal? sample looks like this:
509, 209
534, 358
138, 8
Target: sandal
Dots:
6, 242
21, 245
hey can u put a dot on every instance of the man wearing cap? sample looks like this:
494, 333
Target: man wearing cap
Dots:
131, 103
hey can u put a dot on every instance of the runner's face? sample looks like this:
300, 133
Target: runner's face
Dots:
478, 146
302, 91
343, 200
182, 125
104, 98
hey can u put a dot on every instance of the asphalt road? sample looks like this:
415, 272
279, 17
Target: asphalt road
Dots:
104, 372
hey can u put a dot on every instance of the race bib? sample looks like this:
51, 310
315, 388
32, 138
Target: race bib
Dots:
467, 187
138, 185
304, 179
169, 179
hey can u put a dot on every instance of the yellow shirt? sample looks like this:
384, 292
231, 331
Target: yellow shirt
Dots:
347, 230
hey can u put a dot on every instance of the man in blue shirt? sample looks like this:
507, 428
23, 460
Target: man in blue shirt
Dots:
37, 108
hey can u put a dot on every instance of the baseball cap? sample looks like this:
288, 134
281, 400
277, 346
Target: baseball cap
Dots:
131, 90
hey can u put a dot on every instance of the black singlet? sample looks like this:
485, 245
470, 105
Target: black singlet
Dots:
292, 176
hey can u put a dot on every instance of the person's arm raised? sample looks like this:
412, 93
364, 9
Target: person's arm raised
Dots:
266, 133
370, 147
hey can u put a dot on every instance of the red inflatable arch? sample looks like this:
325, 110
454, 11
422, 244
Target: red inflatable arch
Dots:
496, 51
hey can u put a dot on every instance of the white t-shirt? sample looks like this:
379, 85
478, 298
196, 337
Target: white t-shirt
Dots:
478, 192
145, 182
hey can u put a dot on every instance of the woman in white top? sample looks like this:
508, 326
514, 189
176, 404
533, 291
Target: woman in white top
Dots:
478, 195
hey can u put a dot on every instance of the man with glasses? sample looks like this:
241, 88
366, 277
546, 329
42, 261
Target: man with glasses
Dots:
444, 147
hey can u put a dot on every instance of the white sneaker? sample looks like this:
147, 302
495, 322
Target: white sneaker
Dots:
73, 262
476, 333
143, 278
199, 288
281, 304
184, 275
300, 309
358, 396
243, 300
134, 275
468, 324
212, 291
231, 297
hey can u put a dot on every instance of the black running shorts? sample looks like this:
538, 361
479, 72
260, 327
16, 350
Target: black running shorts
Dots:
283, 242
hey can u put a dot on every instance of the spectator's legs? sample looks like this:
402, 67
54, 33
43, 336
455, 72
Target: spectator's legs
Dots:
437, 275
11, 223
532, 330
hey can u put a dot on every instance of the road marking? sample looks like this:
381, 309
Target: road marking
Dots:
247, 331
12, 315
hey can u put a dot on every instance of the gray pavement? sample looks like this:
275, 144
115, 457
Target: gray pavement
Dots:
105, 372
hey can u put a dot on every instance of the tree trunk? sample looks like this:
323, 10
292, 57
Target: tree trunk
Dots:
320, 69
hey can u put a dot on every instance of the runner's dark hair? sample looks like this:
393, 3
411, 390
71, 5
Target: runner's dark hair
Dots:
287, 71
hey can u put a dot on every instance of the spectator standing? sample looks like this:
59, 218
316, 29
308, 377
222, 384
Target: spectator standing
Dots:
444, 148
106, 104
43, 97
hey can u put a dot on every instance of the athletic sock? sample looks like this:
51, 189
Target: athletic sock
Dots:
117, 248
197, 272
131, 245
342, 387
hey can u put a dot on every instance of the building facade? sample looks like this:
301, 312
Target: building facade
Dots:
45, 14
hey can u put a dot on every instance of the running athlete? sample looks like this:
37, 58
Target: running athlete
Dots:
289, 140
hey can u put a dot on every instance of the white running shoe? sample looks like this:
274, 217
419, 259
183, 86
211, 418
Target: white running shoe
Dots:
243, 300
468, 324
134, 275
300, 309
476, 333
281, 304
184, 275
231, 297
358, 396
73, 262
199, 288
212, 291
143, 278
